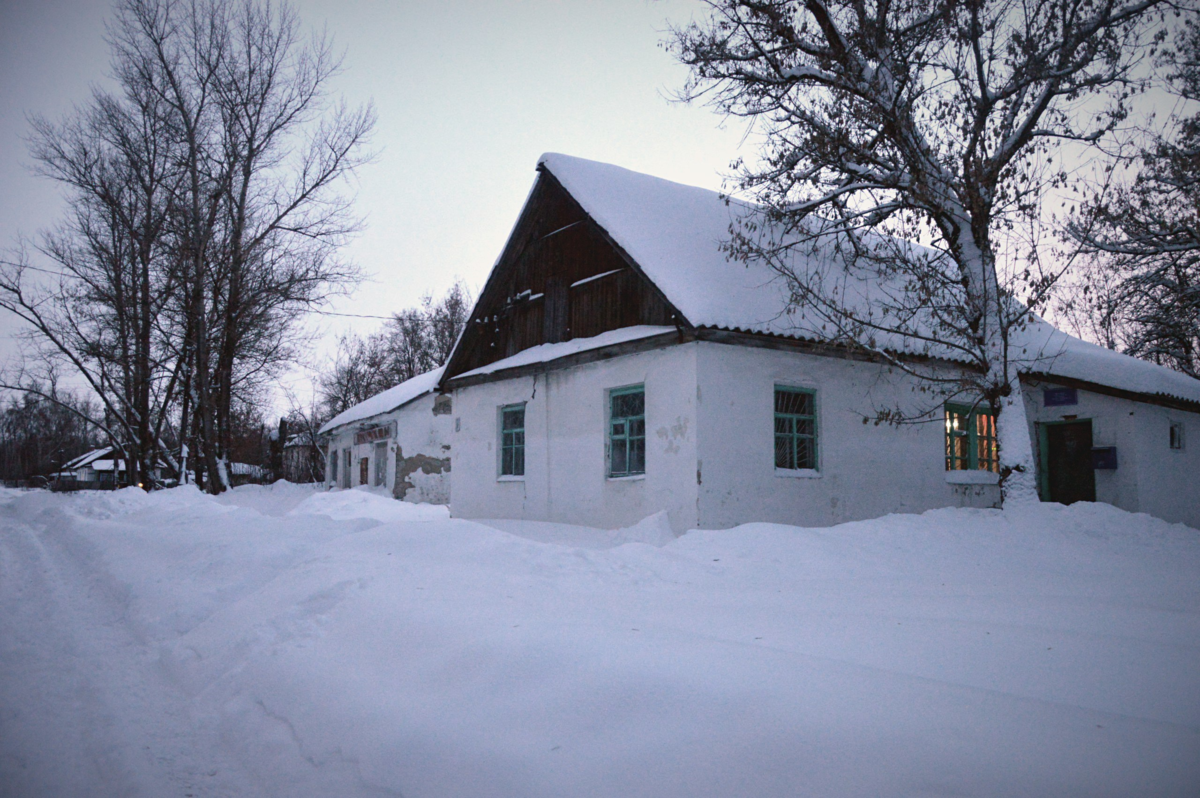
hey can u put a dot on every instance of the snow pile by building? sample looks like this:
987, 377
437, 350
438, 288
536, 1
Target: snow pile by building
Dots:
274, 641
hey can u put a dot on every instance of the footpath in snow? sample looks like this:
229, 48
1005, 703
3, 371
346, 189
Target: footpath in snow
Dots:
281, 642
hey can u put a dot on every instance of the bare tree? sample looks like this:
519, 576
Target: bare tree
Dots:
98, 316
930, 120
208, 207
1144, 284
285, 149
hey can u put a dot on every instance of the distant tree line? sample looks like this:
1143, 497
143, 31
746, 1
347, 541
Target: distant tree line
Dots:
206, 210
37, 435
411, 343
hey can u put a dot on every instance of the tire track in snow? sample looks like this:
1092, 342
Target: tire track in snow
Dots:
84, 707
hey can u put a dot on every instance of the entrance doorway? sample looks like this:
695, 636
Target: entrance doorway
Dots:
381, 464
1067, 460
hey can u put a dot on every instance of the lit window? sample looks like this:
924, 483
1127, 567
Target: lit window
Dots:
512, 441
627, 432
795, 428
970, 439
1177, 435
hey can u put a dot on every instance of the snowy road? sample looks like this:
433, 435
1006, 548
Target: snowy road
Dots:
276, 642
87, 709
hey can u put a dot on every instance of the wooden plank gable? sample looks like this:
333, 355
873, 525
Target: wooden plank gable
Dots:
560, 276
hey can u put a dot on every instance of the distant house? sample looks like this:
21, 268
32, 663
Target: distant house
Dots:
617, 364
247, 474
302, 460
398, 440
99, 469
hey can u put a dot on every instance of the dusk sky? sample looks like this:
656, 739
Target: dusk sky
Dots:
468, 95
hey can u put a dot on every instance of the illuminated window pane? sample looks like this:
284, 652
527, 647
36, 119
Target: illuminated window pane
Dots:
971, 439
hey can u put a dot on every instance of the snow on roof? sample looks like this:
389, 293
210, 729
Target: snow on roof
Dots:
544, 353
385, 402
85, 459
674, 233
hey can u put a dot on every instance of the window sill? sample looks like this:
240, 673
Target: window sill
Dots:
511, 478
798, 473
972, 477
627, 478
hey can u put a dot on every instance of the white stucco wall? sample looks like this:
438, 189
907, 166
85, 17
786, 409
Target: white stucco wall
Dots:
1150, 476
710, 445
418, 455
565, 444
864, 470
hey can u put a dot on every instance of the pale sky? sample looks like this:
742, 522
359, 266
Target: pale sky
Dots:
468, 95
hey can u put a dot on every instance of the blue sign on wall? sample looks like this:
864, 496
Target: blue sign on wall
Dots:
1104, 458
1058, 397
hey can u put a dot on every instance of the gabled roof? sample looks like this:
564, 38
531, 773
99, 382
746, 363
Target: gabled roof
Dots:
392, 399
674, 232
87, 459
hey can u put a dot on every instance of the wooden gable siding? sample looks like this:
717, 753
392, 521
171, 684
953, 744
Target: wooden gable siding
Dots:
559, 278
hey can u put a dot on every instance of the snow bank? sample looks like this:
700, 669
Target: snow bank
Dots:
277, 498
654, 530
371, 503
329, 647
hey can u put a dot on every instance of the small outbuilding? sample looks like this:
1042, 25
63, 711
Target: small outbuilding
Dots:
617, 364
398, 439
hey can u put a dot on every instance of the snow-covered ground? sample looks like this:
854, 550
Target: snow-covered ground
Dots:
280, 642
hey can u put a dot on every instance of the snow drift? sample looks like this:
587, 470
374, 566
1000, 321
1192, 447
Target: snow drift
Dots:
276, 641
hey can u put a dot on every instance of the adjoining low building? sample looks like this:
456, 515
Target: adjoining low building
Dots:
398, 439
617, 364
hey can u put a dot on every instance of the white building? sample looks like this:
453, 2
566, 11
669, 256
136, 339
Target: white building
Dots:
616, 364
398, 439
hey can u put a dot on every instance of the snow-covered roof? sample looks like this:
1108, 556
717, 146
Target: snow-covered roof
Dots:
674, 233
299, 439
385, 402
544, 353
86, 459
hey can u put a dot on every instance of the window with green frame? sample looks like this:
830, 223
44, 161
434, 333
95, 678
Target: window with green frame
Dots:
795, 428
627, 431
512, 440
970, 439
